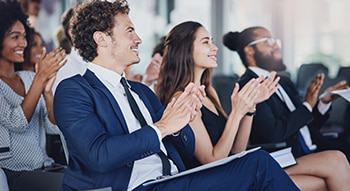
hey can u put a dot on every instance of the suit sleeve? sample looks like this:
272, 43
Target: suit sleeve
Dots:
319, 119
84, 125
277, 125
273, 121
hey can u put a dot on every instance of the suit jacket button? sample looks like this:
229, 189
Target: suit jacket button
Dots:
129, 164
185, 137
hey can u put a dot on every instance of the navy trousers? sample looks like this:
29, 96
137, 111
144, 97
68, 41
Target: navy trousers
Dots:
255, 171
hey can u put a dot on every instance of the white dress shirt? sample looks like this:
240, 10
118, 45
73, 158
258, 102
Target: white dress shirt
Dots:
147, 168
75, 65
282, 94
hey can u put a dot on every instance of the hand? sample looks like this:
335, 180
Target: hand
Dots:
313, 89
267, 88
49, 64
198, 96
180, 111
152, 70
339, 86
243, 101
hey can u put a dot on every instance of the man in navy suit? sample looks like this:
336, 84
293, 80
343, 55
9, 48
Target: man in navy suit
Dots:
283, 117
108, 145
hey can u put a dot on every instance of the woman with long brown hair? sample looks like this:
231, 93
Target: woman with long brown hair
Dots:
189, 56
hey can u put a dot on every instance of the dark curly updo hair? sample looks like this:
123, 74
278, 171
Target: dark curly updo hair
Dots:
10, 12
236, 41
91, 17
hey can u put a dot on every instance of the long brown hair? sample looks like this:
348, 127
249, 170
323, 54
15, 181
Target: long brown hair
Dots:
177, 68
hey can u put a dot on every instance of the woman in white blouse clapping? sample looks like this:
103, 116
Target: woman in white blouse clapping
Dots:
26, 105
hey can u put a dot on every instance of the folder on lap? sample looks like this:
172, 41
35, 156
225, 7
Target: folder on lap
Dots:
202, 167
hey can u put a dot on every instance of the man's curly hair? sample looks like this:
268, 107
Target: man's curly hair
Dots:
11, 11
94, 16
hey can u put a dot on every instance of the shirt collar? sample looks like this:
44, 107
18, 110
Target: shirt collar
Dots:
74, 51
105, 75
259, 71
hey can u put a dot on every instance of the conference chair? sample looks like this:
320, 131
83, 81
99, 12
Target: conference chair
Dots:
306, 73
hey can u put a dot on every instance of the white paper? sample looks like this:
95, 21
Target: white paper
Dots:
345, 93
203, 167
284, 157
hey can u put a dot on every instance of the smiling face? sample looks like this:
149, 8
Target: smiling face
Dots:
14, 44
36, 49
204, 50
124, 41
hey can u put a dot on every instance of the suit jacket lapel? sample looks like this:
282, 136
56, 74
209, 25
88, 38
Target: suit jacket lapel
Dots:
290, 89
97, 84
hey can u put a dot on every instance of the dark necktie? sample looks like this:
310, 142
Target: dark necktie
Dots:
136, 110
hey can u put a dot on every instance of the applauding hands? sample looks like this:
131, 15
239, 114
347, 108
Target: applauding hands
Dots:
182, 110
255, 91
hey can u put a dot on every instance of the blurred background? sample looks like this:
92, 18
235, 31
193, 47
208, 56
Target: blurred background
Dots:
315, 37
311, 31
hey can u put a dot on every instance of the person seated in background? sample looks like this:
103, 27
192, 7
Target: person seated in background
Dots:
26, 106
137, 77
282, 118
117, 131
75, 63
32, 53
152, 71
32, 9
61, 40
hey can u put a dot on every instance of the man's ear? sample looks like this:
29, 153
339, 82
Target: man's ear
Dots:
70, 33
249, 55
249, 51
100, 38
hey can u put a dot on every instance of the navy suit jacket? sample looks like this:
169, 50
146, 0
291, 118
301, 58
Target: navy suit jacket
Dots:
274, 122
101, 149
